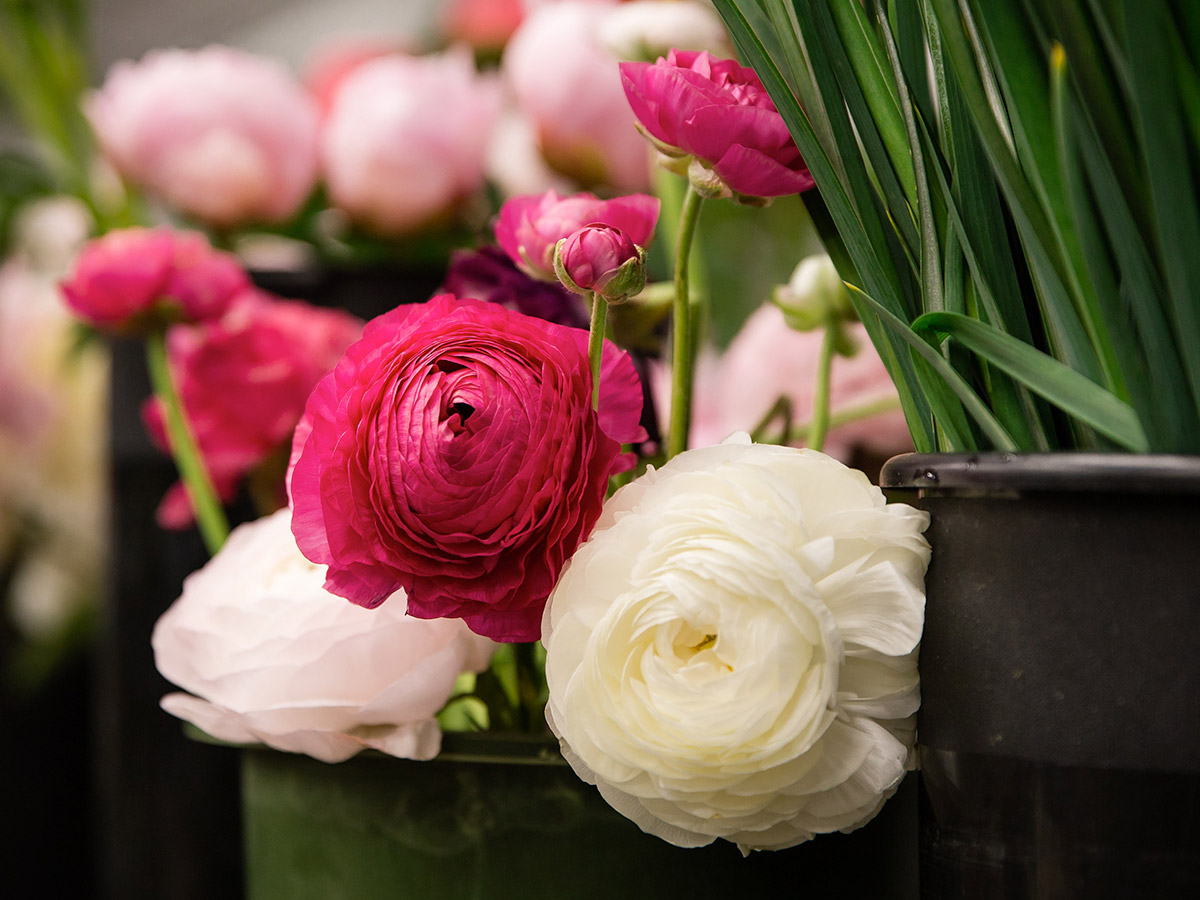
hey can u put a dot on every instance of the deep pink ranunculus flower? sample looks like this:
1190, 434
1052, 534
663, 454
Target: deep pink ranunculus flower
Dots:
454, 452
529, 227
244, 380
129, 275
719, 112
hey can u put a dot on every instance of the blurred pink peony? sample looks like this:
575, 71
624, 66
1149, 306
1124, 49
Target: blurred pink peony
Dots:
270, 657
221, 134
529, 227
244, 380
406, 138
127, 276
330, 66
601, 259
693, 104
566, 81
766, 360
485, 25
454, 452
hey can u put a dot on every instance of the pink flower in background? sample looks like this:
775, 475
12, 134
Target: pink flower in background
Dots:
693, 104
529, 227
454, 453
270, 657
244, 380
406, 138
482, 24
128, 275
332, 64
566, 81
767, 360
604, 260
221, 134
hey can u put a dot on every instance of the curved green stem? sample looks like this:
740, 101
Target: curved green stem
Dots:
683, 351
210, 516
844, 417
819, 425
596, 344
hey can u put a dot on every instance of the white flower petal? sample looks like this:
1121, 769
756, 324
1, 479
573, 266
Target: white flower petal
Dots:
273, 658
717, 650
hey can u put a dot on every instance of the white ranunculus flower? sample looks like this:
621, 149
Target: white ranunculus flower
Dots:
647, 29
271, 657
733, 653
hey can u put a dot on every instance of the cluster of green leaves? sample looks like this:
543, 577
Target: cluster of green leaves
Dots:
43, 74
1010, 187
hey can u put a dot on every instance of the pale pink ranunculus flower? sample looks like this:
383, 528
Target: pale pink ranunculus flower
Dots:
268, 656
331, 64
221, 134
767, 360
566, 81
406, 138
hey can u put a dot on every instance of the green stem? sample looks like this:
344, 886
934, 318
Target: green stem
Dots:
596, 344
210, 517
530, 683
780, 409
819, 426
682, 345
845, 417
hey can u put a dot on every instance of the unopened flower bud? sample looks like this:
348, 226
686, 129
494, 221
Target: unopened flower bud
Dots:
601, 259
815, 296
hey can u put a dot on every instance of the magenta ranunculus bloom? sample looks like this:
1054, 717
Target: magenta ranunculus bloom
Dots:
225, 136
530, 227
718, 112
132, 275
604, 260
454, 453
244, 380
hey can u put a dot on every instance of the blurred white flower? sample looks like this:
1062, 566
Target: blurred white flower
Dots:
733, 653
647, 29
514, 159
269, 656
53, 422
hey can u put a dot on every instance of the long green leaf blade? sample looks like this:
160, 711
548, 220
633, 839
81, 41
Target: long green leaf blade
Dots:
970, 401
1062, 386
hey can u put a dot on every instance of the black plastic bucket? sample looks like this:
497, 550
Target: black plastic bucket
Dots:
1059, 730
